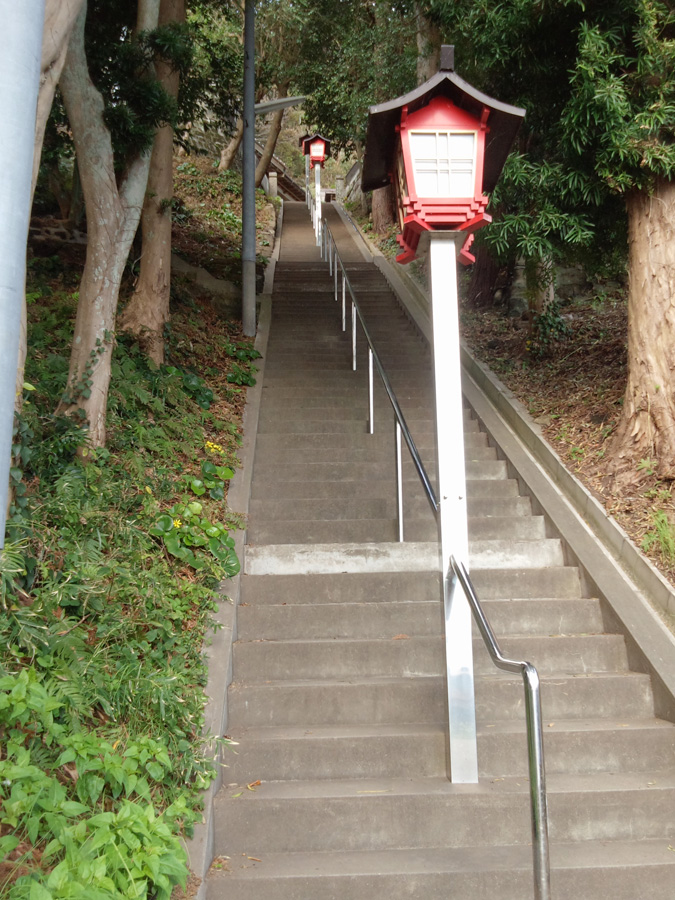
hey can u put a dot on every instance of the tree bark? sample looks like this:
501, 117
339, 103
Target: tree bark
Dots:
228, 154
60, 17
646, 428
484, 274
272, 137
147, 312
383, 213
113, 212
428, 46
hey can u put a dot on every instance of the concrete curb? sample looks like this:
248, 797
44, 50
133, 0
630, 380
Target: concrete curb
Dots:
218, 651
615, 569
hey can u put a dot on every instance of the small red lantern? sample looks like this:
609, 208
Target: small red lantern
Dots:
442, 145
317, 148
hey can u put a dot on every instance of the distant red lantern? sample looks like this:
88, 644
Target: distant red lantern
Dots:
317, 148
442, 146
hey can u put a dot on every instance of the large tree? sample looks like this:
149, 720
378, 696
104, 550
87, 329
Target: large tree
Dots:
598, 83
113, 184
147, 313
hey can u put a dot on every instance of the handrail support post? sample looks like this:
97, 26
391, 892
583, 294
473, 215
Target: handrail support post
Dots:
399, 482
371, 405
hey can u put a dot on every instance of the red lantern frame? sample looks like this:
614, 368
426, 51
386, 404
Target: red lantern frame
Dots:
419, 213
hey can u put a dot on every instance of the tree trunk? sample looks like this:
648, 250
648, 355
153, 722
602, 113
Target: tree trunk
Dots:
76, 199
228, 154
383, 213
112, 217
646, 428
484, 274
428, 46
147, 312
60, 17
271, 142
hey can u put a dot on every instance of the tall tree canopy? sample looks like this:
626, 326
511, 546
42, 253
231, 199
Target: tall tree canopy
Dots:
597, 82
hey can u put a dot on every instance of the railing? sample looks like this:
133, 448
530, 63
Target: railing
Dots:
535, 743
329, 251
535, 735
317, 220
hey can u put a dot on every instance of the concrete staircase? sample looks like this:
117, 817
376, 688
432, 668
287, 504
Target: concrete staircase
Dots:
338, 788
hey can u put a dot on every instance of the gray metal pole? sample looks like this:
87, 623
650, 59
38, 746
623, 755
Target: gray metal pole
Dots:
19, 83
248, 186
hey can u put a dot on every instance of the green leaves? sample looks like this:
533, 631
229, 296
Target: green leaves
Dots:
188, 536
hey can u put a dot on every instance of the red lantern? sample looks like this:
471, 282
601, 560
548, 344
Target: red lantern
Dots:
439, 176
443, 147
317, 148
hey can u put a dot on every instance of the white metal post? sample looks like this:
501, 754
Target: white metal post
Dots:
248, 236
317, 199
19, 83
443, 250
308, 196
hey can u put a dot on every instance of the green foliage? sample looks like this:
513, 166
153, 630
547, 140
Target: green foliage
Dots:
597, 84
213, 480
661, 536
101, 681
548, 328
354, 54
621, 111
85, 800
191, 538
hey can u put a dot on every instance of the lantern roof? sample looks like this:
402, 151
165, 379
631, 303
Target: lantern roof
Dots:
503, 123
309, 139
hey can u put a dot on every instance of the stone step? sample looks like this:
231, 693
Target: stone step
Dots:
381, 813
412, 616
292, 400
321, 531
333, 487
312, 422
571, 746
501, 585
283, 392
282, 419
257, 661
382, 700
589, 870
333, 366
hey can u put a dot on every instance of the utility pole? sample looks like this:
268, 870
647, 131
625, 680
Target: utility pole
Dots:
19, 83
248, 181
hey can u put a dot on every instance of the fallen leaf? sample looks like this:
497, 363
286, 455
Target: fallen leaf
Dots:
254, 858
234, 796
401, 637
253, 785
551, 724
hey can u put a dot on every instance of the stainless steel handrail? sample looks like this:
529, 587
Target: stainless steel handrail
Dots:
330, 251
535, 734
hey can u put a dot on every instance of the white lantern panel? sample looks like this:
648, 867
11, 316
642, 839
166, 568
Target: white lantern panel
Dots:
443, 163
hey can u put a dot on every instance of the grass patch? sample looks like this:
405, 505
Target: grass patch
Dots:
107, 589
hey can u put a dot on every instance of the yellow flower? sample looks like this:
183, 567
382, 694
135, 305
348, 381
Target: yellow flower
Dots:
177, 523
213, 448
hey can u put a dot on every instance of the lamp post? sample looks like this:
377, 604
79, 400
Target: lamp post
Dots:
301, 144
443, 147
316, 148
19, 86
